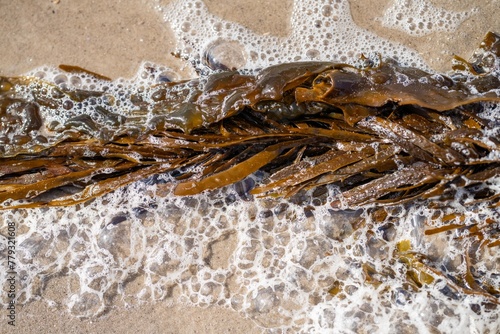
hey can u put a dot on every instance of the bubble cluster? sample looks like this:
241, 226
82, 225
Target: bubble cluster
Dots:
420, 18
67, 100
320, 31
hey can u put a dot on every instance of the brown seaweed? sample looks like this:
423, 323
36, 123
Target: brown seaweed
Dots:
383, 134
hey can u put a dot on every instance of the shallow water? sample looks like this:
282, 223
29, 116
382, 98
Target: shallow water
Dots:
278, 262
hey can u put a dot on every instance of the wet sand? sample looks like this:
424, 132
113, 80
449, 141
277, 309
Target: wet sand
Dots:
113, 39
157, 318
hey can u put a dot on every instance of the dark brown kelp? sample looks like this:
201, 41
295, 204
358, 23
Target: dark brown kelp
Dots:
383, 134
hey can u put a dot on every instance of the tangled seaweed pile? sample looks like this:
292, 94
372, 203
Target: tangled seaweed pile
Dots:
383, 134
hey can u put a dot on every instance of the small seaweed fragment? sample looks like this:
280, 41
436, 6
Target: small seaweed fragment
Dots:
384, 134
420, 273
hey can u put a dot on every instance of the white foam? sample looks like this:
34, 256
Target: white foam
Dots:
320, 30
421, 17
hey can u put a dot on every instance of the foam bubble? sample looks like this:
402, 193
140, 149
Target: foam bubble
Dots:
420, 18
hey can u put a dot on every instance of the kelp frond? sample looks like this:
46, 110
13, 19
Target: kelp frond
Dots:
384, 134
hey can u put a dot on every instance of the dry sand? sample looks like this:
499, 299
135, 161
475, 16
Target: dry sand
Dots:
113, 38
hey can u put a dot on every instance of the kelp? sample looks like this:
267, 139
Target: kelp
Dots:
382, 133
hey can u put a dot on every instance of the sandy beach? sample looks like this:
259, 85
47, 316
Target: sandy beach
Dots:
113, 38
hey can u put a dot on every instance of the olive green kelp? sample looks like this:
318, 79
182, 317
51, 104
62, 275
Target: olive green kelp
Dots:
382, 134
